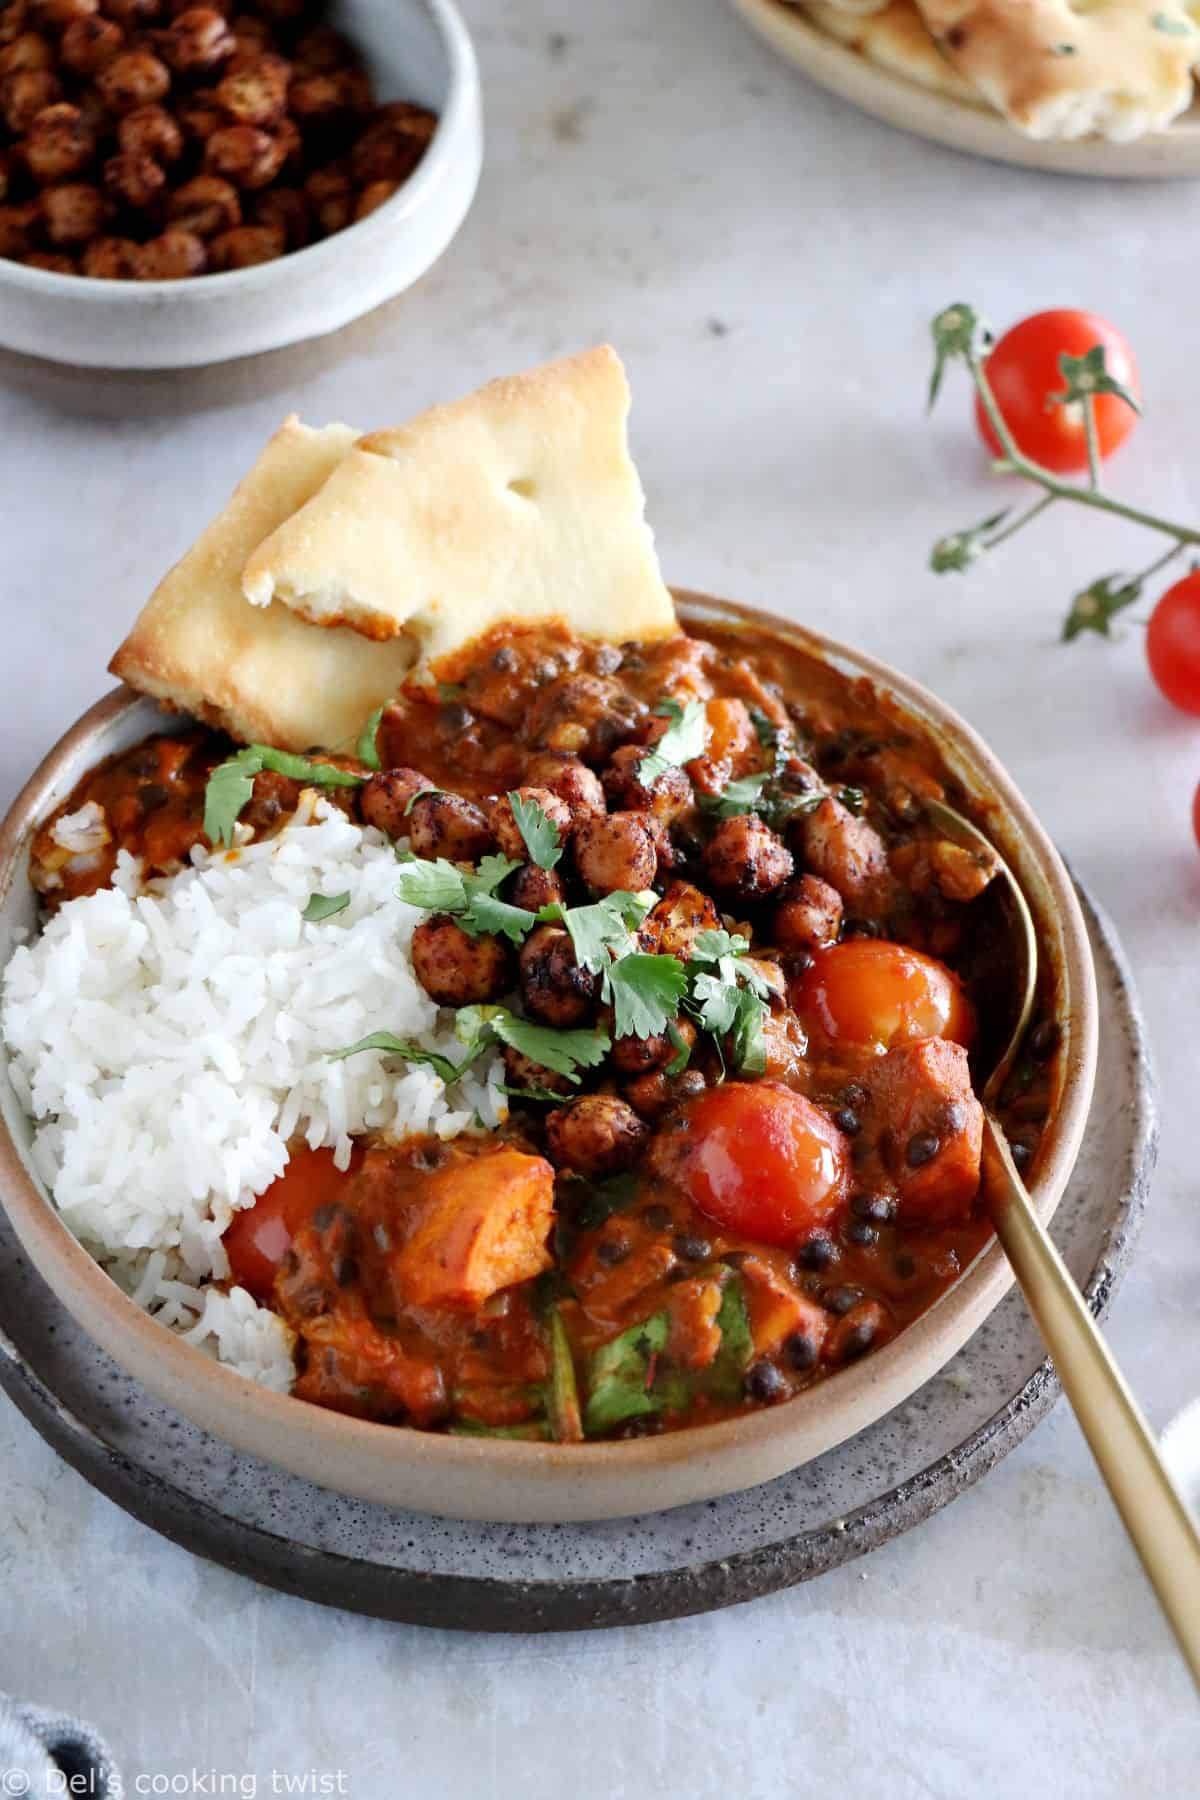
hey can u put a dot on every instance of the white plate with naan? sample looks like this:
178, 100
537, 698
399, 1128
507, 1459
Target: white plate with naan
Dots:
886, 63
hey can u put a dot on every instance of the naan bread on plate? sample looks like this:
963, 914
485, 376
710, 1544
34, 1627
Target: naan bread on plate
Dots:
517, 504
1112, 68
896, 39
264, 676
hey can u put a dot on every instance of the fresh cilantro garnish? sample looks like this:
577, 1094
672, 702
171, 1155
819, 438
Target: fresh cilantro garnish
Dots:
562, 1389
442, 886
419, 795
768, 733
539, 831
231, 784
853, 799
367, 750
732, 1002
736, 1353
564, 1052
603, 930
683, 1050
533, 1092
324, 906
603, 1196
413, 1053
684, 739
620, 1375
744, 795
645, 993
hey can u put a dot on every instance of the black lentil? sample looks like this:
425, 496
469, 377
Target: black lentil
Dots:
764, 1382
921, 1149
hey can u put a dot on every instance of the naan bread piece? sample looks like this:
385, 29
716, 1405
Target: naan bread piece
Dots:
517, 504
1112, 68
896, 39
265, 676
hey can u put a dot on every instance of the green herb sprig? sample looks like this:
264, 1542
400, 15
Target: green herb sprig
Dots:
231, 784
960, 335
685, 738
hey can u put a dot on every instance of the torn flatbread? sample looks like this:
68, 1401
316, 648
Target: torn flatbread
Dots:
520, 503
264, 675
897, 39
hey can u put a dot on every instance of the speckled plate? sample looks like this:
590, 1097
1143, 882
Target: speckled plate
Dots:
973, 128
281, 1530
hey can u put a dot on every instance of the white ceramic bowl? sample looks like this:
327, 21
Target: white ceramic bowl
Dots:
489, 1478
416, 50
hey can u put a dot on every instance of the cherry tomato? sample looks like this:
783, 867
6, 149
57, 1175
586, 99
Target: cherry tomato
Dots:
1173, 644
1024, 373
763, 1161
260, 1237
870, 992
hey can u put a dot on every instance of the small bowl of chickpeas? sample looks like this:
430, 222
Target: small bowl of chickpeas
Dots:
184, 183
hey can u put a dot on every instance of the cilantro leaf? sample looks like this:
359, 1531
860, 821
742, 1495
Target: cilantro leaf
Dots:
325, 906
602, 931
683, 1050
562, 1051
741, 796
715, 1004
484, 913
539, 831
853, 799
492, 870
620, 1375
434, 886
737, 1344
231, 784
367, 749
749, 1044
711, 946
766, 730
562, 1391
645, 992
685, 738
413, 1053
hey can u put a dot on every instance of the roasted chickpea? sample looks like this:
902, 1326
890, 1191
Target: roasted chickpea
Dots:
357, 96
256, 94
507, 832
451, 826
534, 888
291, 145
134, 15
73, 213
393, 144
135, 78
283, 12
135, 181
745, 860
58, 14
199, 115
556, 991
570, 779
666, 795
16, 226
457, 970
658, 1093
59, 143
640, 1056
384, 797
251, 33
198, 41
88, 44
151, 131
245, 246
6, 177
13, 20
331, 195
171, 256
243, 154
672, 926
316, 101
205, 206
616, 851
175, 9
24, 95
52, 261
286, 209
26, 52
112, 259
323, 50
808, 915
374, 196
522, 1072
595, 1135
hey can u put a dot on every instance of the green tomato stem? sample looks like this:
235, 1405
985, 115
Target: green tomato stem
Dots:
1066, 490
1021, 520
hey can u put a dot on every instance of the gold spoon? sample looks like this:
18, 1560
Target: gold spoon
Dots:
1163, 1531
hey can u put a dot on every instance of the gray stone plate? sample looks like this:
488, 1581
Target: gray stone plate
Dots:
306, 1540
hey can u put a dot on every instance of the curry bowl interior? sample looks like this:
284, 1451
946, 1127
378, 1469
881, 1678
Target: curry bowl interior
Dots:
528, 1482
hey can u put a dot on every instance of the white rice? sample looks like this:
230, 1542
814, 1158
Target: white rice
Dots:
169, 1037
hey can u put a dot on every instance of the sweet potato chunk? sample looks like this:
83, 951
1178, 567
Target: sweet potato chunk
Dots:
928, 1128
695, 1335
485, 1228
778, 1311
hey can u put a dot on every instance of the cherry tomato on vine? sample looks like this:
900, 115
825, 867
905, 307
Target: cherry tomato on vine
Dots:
1023, 372
1173, 643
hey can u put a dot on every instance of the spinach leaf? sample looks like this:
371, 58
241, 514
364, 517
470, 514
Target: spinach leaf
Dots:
620, 1375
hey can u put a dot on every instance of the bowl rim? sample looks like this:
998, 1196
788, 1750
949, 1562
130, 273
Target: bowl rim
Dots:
505, 1480
440, 156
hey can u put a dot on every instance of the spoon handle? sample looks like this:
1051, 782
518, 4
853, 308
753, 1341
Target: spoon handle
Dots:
1162, 1529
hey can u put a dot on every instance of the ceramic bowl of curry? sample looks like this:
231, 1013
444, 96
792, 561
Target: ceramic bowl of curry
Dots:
891, 1304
